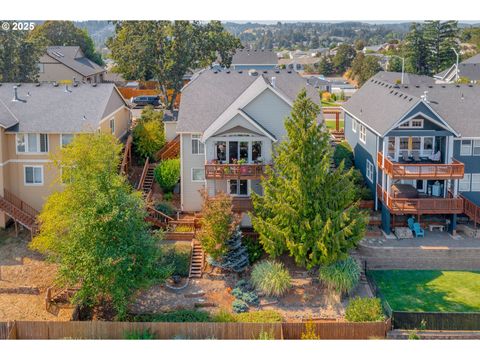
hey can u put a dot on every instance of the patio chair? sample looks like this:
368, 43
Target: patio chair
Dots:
419, 232
416, 157
405, 157
410, 223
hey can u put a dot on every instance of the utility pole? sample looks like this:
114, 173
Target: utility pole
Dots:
403, 66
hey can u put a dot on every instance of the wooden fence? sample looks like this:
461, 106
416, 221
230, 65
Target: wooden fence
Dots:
436, 320
340, 330
228, 331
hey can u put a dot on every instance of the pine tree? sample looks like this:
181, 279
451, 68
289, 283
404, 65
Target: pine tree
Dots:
307, 209
236, 256
416, 51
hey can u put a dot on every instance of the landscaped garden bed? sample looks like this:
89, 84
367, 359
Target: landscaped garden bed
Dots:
429, 290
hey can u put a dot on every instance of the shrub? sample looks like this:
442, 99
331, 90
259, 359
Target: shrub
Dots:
167, 174
139, 335
149, 133
364, 309
343, 151
341, 276
239, 306
310, 332
165, 208
362, 191
178, 259
168, 197
271, 278
224, 316
218, 225
266, 335
183, 228
254, 249
250, 297
176, 316
261, 316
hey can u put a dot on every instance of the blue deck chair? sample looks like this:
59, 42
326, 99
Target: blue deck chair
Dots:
410, 223
419, 232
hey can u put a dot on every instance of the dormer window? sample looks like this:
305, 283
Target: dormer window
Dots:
412, 124
32, 143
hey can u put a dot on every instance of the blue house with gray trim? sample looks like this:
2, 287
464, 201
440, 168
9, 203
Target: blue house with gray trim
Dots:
418, 146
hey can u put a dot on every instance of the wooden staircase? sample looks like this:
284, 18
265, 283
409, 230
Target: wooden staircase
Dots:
19, 211
197, 260
171, 150
146, 180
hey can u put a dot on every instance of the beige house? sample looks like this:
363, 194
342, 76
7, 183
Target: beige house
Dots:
38, 119
60, 63
229, 123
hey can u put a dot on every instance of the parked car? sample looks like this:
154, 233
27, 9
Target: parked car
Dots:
140, 101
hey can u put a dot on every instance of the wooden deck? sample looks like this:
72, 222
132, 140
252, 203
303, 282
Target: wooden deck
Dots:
430, 171
234, 171
419, 206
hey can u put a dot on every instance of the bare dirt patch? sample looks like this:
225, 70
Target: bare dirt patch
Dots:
24, 279
307, 299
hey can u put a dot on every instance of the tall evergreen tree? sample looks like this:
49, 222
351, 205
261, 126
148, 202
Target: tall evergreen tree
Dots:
18, 57
416, 51
307, 209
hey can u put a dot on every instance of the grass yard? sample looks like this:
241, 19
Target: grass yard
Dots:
332, 123
430, 290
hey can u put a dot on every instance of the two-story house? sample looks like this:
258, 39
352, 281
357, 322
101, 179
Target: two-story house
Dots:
417, 145
37, 120
246, 59
229, 122
61, 63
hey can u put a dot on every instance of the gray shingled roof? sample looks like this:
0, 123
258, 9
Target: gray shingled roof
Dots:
254, 57
380, 104
50, 109
469, 68
408, 79
210, 93
472, 60
72, 57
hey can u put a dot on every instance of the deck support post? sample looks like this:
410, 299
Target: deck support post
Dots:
386, 226
453, 224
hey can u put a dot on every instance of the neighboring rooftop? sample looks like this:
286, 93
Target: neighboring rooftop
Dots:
408, 79
73, 57
380, 104
211, 92
469, 68
49, 109
254, 57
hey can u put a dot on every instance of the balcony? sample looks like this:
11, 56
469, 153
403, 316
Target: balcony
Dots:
421, 205
421, 170
234, 171
242, 204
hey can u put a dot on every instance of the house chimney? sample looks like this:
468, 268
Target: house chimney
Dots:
424, 96
15, 94
273, 81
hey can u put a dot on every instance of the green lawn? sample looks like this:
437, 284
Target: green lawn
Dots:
331, 124
430, 290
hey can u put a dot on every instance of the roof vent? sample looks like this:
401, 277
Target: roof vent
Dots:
457, 85
470, 85
37, 84
67, 90
424, 96
55, 84
462, 97
274, 80
215, 71
240, 71
228, 71
277, 71
430, 86
94, 85
265, 71
289, 71
417, 86
252, 72
28, 93
15, 94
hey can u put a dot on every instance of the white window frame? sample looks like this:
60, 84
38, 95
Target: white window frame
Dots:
25, 137
466, 183
409, 124
369, 169
61, 139
112, 125
201, 146
192, 171
475, 144
467, 153
363, 134
239, 195
475, 182
25, 175
354, 125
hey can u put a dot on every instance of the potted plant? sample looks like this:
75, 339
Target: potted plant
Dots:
243, 169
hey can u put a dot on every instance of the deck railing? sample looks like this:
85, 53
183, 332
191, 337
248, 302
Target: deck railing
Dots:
20, 204
144, 174
242, 204
471, 210
234, 171
413, 170
127, 156
430, 205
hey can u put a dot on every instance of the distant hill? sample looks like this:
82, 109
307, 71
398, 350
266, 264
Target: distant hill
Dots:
99, 31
